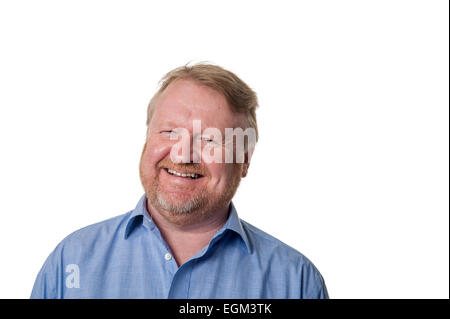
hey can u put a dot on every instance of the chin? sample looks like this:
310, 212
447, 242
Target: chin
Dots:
185, 205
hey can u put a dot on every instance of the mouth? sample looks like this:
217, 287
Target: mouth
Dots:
187, 175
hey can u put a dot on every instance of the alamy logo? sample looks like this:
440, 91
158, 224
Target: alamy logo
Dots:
73, 277
209, 145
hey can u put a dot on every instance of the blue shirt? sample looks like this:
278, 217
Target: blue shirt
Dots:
126, 257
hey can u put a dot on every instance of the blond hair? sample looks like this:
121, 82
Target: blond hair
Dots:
240, 97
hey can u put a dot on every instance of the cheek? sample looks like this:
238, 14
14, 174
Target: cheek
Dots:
154, 152
221, 174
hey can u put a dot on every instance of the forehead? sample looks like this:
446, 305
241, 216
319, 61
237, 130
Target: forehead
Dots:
187, 100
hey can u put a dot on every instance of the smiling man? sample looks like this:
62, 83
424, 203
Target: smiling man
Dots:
184, 239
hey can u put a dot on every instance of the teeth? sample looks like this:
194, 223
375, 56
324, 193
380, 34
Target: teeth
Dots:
182, 174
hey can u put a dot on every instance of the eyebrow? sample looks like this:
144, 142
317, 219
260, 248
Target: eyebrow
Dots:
170, 123
166, 124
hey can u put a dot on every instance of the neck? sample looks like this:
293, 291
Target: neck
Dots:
185, 240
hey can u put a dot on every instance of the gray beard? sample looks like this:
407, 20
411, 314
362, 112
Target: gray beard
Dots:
187, 207
198, 205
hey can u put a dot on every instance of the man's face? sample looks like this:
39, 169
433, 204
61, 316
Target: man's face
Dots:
185, 200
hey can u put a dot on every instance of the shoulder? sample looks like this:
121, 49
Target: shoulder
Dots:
284, 259
77, 248
92, 237
264, 243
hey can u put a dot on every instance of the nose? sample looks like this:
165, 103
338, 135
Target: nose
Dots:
186, 150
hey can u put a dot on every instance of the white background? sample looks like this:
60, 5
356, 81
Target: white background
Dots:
352, 164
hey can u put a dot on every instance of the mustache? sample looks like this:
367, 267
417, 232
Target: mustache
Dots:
189, 168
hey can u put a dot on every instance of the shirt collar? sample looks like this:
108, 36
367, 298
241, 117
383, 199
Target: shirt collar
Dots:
140, 215
234, 223
137, 216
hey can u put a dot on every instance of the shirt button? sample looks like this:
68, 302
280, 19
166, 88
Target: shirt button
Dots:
168, 256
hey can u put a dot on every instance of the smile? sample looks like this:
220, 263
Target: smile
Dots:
186, 175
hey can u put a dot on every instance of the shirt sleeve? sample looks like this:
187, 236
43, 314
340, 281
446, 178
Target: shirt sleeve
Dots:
323, 292
46, 284
313, 284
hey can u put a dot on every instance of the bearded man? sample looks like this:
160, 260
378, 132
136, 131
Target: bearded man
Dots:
184, 239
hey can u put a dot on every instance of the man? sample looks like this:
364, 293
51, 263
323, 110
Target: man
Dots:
184, 239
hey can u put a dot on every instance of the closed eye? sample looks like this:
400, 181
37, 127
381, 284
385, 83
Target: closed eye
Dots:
170, 134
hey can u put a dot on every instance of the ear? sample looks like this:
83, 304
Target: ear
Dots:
246, 164
245, 169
